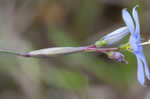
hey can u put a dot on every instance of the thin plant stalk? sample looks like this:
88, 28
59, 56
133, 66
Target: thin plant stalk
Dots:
90, 48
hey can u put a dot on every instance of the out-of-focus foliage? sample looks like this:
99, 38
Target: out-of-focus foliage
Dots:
27, 25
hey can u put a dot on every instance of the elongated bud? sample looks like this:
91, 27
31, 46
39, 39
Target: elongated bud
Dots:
53, 51
112, 37
117, 56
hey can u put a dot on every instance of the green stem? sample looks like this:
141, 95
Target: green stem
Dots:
10, 52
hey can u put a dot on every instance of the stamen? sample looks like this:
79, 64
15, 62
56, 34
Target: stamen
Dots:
128, 48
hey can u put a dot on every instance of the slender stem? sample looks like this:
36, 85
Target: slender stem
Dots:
10, 52
93, 48
101, 49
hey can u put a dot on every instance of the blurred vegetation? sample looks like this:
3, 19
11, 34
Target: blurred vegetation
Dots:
27, 25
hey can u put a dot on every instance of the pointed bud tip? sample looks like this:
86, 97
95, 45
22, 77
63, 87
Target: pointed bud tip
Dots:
26, 55
117, 56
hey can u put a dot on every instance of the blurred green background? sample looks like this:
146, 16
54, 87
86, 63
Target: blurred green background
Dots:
27, 25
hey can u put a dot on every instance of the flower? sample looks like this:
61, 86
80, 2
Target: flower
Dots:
135, 43
113, 37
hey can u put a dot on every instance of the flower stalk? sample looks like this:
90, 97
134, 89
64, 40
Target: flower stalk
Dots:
145, 43
56, 51
10, 52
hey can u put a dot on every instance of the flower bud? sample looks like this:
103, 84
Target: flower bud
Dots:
112, 37
53, 51
117, 56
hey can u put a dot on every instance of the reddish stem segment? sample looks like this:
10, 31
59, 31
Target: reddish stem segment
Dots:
93, 48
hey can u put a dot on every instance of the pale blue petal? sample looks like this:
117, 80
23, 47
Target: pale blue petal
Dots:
121, 31
136, 19
116, 35
147, 72
140, 72
128, 21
